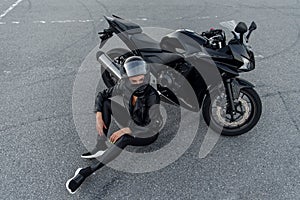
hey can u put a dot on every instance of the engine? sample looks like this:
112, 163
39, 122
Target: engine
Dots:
177, 77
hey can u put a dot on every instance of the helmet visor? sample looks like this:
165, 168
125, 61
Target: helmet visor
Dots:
135, 68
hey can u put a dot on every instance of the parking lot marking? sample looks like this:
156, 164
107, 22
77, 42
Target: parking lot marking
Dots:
55, 21
10, 9
39, 22
63, 21
141, 19
259, 56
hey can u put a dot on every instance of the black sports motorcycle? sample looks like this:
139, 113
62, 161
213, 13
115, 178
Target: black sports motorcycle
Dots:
235, 110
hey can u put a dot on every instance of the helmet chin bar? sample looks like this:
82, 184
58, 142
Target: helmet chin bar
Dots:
138, 88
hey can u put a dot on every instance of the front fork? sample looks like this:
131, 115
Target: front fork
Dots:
232, 92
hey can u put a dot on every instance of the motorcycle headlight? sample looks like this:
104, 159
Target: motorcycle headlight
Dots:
246, 65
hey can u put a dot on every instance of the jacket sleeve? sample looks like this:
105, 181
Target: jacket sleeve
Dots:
105, 94
155, 117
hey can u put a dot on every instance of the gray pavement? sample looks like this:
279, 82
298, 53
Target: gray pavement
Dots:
43, 44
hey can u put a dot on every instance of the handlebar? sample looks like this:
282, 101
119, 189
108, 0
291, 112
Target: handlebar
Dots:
105, 34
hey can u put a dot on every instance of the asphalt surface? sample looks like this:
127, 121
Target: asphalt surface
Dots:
43, 44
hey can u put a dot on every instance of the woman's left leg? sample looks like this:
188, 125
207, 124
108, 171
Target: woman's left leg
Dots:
111, 153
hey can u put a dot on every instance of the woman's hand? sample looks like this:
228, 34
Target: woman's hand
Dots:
100, 123
116, 135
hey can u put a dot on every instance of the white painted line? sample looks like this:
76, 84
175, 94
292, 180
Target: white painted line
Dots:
259, 56
88, 20
10, 9
206, 17
39, 22
142, 19
57, 21
70, 21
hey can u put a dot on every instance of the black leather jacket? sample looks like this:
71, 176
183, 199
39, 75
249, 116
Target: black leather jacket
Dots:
146, 119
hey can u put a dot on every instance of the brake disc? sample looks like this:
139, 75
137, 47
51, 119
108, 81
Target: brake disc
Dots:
246, 114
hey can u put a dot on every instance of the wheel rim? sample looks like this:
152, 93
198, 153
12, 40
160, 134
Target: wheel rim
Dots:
244, 111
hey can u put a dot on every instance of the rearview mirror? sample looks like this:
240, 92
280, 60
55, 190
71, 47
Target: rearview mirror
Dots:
241, 28
252, 26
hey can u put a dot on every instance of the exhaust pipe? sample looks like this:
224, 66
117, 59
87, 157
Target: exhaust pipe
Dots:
108, 64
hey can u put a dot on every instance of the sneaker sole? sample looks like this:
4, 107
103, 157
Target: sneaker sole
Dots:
67, 183
99, 153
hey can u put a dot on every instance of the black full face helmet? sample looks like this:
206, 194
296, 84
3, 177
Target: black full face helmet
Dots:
135, 66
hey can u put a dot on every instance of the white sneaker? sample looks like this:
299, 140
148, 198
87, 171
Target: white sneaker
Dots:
78, 181
90, 155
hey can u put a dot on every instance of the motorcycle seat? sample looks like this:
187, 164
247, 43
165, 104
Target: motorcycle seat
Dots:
152, 51
162, 57
143, 41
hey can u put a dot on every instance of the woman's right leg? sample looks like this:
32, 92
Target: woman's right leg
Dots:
112, 108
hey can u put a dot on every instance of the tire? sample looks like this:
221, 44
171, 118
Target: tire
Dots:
108, 79
244, 127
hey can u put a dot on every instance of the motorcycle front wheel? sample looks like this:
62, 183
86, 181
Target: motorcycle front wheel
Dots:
248, 111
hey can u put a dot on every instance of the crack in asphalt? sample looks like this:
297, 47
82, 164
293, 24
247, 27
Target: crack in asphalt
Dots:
29, 5
10, 126
103, 6
294, 43
276, 9
59, 52
54, 55
91, 17
109, 185
106, 188
62, 76
200, 11
287, 109
282, 92
206, 17
42, 81
290, 47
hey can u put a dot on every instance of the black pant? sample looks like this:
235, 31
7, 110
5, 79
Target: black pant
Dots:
122, 116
